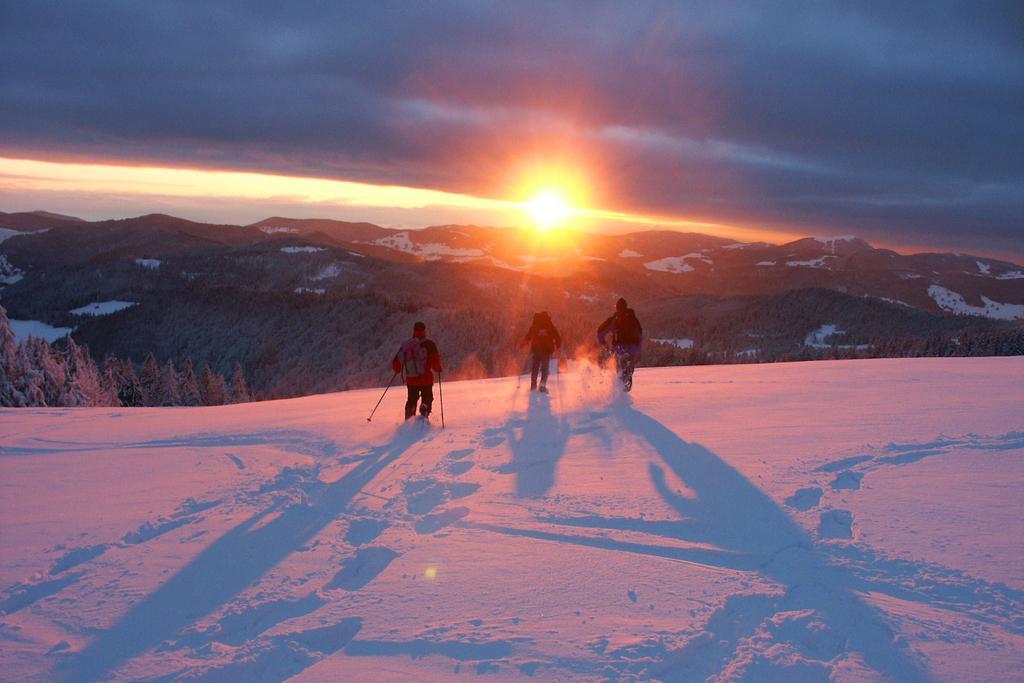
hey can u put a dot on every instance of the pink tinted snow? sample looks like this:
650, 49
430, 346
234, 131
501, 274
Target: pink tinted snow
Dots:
791, 521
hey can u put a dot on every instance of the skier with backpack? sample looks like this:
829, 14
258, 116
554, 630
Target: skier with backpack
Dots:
543, 339
627, 336
418, 359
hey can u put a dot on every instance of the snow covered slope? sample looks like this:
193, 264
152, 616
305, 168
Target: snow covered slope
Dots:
857, 520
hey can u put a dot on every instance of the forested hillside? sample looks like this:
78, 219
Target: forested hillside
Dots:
306, 306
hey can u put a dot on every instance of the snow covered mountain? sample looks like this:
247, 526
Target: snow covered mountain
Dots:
838, 521
306, 305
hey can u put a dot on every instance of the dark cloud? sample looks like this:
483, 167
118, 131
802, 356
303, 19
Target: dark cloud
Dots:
900, 121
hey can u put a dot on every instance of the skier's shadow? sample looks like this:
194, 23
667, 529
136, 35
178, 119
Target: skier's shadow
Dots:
228, 566
537, 449
731, 513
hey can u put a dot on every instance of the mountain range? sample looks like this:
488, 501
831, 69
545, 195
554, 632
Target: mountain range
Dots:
316, 304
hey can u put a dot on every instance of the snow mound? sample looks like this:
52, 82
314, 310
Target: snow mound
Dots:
9, 273
680, 343
950, 301
810, 263
102, 308
301, 250
629, 253
430, 251
23, 329
676, 264
151, 263
8, 233
817, 338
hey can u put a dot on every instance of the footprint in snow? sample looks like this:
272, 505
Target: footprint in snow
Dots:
440, 520
847, 480
362, 568
805, 498
836, 524
458, 468
363, 531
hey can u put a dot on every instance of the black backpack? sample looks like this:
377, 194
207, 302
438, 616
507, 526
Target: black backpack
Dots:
627, 328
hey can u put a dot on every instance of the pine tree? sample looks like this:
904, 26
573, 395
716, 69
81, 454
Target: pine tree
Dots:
212, 387
82, 378
189, 386
169, 391
128, 392
49, 372
10, 365
149, 382
239, 390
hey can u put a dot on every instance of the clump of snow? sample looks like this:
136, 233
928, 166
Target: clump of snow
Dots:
984, 268
8, 233
102, 308
151, 263
9, 273
738, 245
629, 253
676, 264
310, 290
765, 263
328, 271
817, 338
274, 230
431, 251
681, 343
831, 242
953, 302
301, 250
357, 255
1011, 275
812, 263
531, 259
23, 329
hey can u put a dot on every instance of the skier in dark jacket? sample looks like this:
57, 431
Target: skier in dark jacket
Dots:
543, 339
418, 359
626, 336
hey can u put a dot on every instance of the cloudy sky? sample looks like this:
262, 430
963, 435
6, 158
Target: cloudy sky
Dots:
902, 122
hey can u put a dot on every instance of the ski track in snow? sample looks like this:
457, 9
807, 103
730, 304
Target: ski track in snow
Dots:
568, 536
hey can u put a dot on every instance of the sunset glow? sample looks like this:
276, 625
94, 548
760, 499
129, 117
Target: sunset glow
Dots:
548, 209
550, 196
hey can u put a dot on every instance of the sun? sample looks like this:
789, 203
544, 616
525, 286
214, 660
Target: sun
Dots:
548, 208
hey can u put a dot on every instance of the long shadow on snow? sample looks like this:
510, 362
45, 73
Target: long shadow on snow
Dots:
535, 454
734, 515
226, 568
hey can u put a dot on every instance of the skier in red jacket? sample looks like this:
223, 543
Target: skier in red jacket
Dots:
418, 359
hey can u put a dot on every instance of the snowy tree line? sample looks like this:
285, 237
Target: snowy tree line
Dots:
36, 373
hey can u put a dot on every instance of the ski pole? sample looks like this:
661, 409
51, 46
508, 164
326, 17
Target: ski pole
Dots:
382, 397
440, 391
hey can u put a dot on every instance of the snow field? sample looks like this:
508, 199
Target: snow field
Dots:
846, 520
